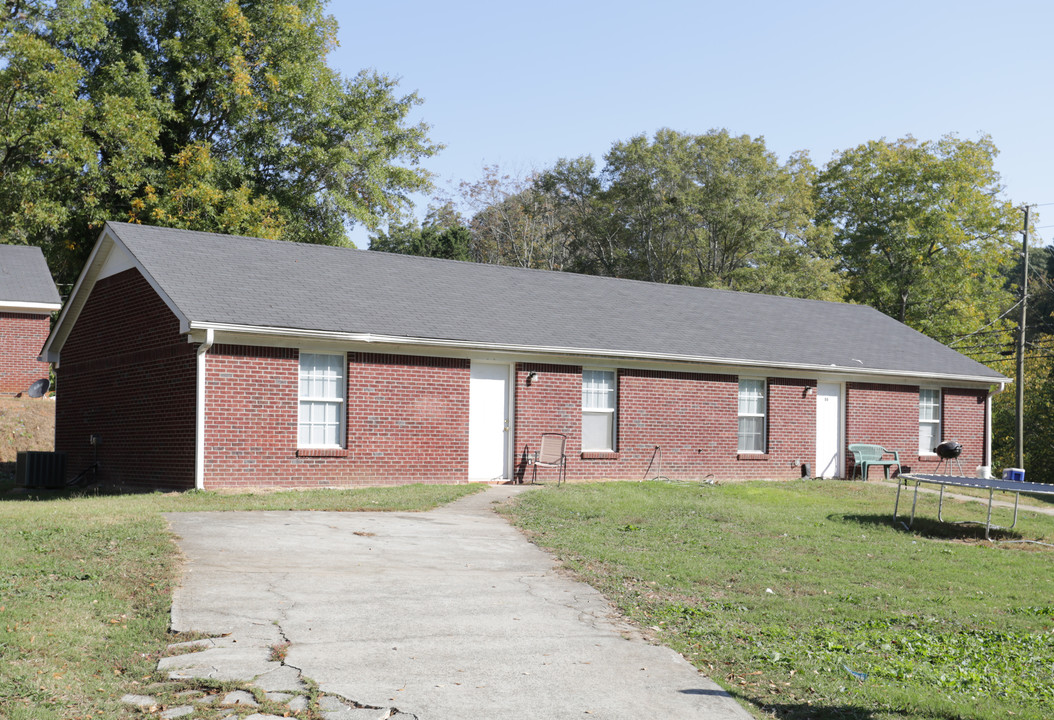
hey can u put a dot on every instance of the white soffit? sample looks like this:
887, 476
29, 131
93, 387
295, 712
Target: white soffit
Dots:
117, 261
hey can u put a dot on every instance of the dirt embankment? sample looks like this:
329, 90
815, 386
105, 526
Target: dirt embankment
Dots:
25, 424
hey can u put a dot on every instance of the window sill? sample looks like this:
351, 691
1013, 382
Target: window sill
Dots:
600, 455
752, 456
321, 452
929, 456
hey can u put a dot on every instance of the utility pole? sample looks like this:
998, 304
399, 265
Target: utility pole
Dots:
1020, 409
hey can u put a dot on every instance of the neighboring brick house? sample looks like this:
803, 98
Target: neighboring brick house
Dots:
202, 360
27, 299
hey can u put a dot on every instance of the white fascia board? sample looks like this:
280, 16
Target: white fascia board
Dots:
29, 307
284, 335
77, 297
106, 243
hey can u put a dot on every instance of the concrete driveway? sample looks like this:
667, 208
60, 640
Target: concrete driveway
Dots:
443, 615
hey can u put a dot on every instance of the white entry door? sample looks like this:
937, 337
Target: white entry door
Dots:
488, 422
828, 430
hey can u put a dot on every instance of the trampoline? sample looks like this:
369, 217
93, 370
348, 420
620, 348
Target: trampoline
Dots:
990, 484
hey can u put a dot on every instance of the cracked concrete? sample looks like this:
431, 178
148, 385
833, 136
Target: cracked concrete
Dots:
419, 615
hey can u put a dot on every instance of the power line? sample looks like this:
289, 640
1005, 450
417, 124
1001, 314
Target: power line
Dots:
1004, 314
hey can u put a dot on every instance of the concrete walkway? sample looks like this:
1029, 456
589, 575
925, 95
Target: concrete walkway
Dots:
444, 615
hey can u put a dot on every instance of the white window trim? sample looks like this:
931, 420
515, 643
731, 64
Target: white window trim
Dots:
764, 415
939, 422
613, 411
338, 401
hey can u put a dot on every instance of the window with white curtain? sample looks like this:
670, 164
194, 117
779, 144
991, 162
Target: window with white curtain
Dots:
751, 416
929, 420
321, 416
598, 410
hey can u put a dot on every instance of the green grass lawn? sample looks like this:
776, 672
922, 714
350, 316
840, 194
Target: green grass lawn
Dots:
806, 601
943, 624
86, 587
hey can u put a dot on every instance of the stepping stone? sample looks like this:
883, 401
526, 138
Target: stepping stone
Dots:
298, 704
334, 709
278, 696
176, 712
234, 663
282, 678
143, 701
239, 697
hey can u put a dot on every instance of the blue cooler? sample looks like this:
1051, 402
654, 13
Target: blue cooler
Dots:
1015, 474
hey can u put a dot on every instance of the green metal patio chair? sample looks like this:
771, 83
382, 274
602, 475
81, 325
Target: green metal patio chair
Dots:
866, 455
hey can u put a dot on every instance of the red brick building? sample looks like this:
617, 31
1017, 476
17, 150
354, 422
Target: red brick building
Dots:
190, 359
27, 299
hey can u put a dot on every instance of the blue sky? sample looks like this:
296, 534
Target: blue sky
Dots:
522, 85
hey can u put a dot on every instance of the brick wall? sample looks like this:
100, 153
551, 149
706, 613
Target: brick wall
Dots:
128, 376
551, 403
22, 335
962, 420
406, 421
792, 426
888, 415
690, 417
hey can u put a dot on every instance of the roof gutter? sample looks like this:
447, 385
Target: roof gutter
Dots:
199, 412
371, 338
20, 306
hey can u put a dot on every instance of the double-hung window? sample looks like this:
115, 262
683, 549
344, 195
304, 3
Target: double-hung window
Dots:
929, 420
751, 416
598, 410
321, 416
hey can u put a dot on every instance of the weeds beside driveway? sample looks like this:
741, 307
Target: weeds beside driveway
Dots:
86, 586
804, 599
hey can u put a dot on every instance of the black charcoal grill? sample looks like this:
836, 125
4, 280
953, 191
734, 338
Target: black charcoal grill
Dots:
949, 452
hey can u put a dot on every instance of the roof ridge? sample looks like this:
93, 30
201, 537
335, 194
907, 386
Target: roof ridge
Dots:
494, 267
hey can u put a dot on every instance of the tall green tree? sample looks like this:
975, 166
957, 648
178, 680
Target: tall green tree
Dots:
1038, 411
1040, 291
103, 99
194, 198
1038, 414
921, 230
714, 210
65, 157
442, 235
512, 222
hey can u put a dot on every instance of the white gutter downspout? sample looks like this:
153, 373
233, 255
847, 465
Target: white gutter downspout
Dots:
988, 422
199, 413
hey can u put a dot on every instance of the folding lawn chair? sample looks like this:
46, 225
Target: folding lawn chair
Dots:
551, 455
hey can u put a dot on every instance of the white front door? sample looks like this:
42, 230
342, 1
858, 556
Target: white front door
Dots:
488, 422
828, 430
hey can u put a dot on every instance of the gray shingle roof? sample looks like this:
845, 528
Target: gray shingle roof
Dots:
25, 277
248, 281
